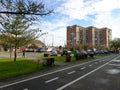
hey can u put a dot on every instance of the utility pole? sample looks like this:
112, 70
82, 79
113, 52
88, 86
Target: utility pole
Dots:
52, 40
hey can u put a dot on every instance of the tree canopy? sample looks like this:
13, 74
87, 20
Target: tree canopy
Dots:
16, 19
27, 7
115, 44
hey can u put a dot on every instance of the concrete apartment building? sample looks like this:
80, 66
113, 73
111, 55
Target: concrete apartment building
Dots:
91, 36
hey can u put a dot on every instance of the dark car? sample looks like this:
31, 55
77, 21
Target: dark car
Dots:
64, 52
90, 53
82, 54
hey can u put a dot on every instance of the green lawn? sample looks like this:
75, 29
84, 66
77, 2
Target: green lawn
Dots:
8, 68
57, 58
63, 58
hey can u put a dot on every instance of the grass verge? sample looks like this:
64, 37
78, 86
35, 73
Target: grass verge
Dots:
63, 58
8, 68
22, 66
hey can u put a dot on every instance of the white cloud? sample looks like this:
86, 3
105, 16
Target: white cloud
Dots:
70, 10
107, 20
106, 5
56, 29
102, 20
101, 9
59, 36
105, 17
55, 38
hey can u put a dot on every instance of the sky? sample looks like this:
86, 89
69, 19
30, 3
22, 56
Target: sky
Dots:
98, 13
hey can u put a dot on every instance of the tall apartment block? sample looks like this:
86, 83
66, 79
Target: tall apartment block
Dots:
91, 36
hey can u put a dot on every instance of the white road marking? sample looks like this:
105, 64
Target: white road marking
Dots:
28, 79
118, 65
25, 89
71, 72
90, 65
82, 68
117, 61
72, 82
48, 81
17, 82
96, 62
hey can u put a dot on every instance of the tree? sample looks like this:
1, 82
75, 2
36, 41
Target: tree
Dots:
17, 32
16, 21
115, 44
26, 7
5, 46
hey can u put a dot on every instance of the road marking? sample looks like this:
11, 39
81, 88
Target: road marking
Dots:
72, 82
117, 61
96, 62
117, 65
48, 81
28, 79
17, 82
66, 85
71, 72
82, 68
90, 65
25, 89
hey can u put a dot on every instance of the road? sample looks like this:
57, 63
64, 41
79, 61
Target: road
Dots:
99, 74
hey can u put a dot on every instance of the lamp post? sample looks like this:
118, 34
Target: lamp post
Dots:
10, 47
52, 40
44, 38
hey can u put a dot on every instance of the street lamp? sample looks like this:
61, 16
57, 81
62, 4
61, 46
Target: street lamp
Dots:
52, 40
44, 38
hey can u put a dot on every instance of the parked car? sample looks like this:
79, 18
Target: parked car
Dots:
111, 51
82, 54
90, 53
53, 52
106, 52
64, 52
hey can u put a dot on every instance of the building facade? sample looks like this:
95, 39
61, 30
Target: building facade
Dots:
92, 36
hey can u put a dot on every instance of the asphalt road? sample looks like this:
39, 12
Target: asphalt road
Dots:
99, 74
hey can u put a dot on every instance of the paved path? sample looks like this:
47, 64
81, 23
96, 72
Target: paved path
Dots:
27, 54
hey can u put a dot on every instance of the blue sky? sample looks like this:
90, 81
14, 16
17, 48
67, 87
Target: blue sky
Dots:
98, 13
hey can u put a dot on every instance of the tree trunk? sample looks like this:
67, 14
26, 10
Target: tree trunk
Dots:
10, 51
15, 54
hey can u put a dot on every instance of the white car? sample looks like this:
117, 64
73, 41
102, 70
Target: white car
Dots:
53, 52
